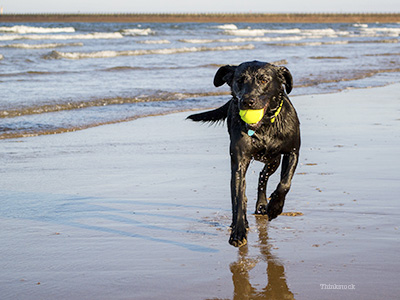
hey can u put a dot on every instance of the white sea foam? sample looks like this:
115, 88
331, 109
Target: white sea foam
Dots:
137, 32
384, 31
41, 46
360, 25
1, 57
313, 43
245, 32
320, 32
227, 27
327, 32
21, 29
202, 41
89, 36
242, 40
109, 54
283, 31
154, 42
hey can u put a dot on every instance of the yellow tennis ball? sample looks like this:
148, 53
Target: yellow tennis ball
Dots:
252, 116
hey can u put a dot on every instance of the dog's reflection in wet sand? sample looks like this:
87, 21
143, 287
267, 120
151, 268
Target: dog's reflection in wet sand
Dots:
276, 288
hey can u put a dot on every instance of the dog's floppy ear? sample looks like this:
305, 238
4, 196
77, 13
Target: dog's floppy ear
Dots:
224, 75
286, 78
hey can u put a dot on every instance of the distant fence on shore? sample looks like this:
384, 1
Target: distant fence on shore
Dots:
207, 17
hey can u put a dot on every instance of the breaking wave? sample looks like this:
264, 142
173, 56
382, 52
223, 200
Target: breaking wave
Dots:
109, 54
245, 32
381, 31
302, 32
154, 42
242, 40
227, 27
89, 36
42, 46
311, 44
360, 25
386, 41
137, 32
21, 29
362, 31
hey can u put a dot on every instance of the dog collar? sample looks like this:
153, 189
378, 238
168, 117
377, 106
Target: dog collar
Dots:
251, 132
277, 112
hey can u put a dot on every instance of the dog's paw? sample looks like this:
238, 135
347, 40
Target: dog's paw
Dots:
237, 243
238, 237
274, 209
261, 209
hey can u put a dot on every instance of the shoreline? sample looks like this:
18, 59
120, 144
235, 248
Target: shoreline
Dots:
207, 18
64, 130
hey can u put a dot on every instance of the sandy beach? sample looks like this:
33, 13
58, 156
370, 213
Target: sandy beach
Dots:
141, 210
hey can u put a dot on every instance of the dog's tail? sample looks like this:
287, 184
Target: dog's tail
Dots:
212, 116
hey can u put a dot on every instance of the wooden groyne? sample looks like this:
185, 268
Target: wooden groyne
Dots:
207, 18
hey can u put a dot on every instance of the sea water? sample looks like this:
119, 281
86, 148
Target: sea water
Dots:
57, 77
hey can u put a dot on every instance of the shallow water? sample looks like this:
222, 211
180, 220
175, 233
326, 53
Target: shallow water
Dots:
60, 77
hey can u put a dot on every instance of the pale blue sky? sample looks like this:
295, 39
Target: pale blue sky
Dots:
108, 6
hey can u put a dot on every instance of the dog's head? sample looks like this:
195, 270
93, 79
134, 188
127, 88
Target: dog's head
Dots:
255, 85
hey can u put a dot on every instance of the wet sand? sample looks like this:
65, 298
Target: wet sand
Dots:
140, 210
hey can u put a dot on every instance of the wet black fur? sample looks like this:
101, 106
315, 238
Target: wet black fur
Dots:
257, 85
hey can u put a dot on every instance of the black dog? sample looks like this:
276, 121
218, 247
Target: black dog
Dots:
257, 85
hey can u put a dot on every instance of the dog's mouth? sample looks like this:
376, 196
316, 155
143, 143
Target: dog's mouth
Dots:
253, 117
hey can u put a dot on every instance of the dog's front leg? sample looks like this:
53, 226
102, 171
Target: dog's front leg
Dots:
239, 164
269, 169
275, 205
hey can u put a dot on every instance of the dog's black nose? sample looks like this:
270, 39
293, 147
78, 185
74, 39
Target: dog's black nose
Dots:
248, 103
